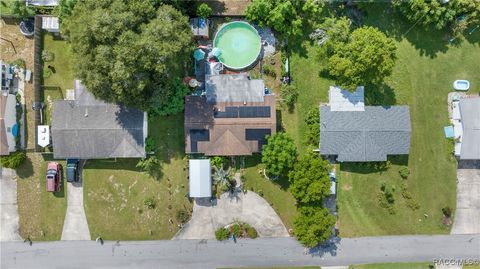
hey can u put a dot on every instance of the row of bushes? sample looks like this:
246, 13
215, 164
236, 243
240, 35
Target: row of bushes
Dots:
237, 229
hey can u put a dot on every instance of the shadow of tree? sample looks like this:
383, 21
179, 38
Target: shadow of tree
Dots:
376, 95
25, 170
373, 167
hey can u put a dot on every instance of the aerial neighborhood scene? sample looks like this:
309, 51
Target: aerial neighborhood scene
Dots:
240, 134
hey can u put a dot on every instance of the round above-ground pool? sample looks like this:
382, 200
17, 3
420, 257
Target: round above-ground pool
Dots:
239, 45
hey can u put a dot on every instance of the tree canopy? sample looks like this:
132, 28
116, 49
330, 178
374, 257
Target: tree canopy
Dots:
279, 154
440, 13
313, 226
65, 8
286, 17
309, 179
204, 11
130, 51
366, 58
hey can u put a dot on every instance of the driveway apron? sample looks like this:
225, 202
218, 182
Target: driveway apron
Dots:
467, 214
75, 226
8, 206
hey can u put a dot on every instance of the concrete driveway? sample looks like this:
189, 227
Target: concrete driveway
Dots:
467, 214
8, 206
75, 226
250, 208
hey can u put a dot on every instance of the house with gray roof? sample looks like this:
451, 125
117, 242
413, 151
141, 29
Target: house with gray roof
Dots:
364, 133
470, 124
88, 128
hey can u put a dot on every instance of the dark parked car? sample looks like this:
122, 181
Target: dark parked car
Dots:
72, 170
54, 177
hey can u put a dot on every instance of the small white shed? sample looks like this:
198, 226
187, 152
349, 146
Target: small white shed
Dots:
50, 24
200, 178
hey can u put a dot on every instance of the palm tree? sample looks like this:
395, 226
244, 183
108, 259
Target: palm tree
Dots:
222, 176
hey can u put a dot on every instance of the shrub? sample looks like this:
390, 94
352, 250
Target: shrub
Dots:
447, 211
47, 56
251, 232
182, 216
236, 230
404, 172
269, 70
19, 62
47, 72
221, 234
13, 160
412, 204
313, 123
150, 144
219, 161
289, 95
204, 11
149, 165
150, 203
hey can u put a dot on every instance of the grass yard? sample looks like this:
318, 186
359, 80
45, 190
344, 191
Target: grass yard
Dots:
41, 213
422, 77
62, 63
393, 266
115, 190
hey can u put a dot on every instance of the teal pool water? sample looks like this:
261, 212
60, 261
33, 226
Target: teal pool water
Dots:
239, 44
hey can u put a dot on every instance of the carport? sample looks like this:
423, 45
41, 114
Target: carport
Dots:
200, 178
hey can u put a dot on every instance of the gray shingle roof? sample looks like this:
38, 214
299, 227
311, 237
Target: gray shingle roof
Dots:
233, 88
362, 136
470, 112
91, 129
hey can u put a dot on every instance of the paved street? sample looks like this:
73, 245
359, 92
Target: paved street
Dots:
213, 254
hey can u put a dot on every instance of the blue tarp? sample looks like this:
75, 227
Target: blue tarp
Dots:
15, 130
449, 133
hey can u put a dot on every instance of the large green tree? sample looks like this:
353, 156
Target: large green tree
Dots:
286, 17
456, 13
309, 179
130, 51
64, 8
279, 154
366, 58
313, 226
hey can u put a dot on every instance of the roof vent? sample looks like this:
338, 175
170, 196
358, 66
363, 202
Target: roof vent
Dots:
86, 112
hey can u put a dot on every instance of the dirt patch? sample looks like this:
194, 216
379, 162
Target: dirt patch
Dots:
346, 187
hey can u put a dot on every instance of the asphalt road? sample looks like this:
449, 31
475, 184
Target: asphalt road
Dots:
214, 254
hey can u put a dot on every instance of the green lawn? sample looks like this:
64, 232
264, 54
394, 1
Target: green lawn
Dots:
422, 77
41, 213
62, 63
393, 266
114, 190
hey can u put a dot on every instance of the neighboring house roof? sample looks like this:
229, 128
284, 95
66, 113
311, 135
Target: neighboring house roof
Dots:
343, 100
470, 113
88, 128
200, 178
228, 129
362, 136
8, 119
233, 88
